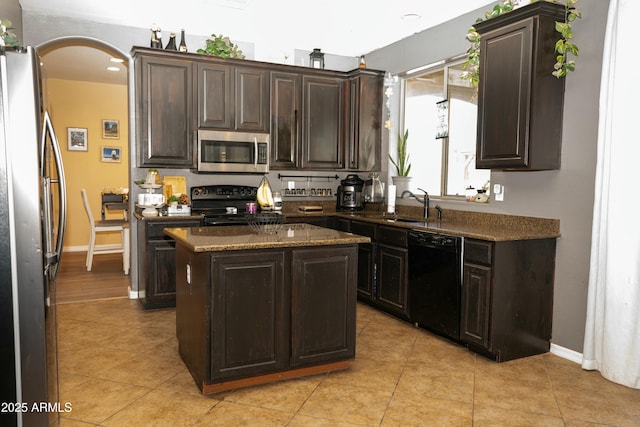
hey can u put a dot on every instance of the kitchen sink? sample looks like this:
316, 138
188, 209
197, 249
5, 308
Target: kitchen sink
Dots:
410, 220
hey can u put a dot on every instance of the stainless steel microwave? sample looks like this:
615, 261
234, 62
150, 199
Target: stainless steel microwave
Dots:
233, 152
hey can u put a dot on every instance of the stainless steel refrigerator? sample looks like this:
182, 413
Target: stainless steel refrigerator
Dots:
32, 225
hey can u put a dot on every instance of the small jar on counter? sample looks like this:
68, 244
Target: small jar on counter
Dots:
277, 201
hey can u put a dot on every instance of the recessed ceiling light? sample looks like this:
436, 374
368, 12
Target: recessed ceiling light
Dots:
113, 69
410, 17
118, 60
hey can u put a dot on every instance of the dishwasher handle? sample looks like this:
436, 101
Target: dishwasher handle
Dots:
434, 240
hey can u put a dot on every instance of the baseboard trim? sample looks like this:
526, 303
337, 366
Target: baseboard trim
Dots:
133, 294
566, 353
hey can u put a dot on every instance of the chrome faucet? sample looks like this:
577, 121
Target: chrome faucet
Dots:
424, 200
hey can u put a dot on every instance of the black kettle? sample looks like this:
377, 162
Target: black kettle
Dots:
350, 194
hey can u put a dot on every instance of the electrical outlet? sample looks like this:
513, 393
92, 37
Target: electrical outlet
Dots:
497, 188
499, 194
291, 185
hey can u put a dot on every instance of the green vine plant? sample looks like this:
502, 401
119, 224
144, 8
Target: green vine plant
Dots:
7, 37
222, 47
563, 47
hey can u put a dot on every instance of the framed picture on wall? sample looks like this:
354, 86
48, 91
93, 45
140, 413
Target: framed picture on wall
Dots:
77, 139
110, 154
111, 129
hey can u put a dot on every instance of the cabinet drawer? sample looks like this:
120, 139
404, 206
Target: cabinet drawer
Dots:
392, 236
363, 229
154, 229
478, 251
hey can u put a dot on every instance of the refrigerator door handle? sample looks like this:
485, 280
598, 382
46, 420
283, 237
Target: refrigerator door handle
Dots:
53, 253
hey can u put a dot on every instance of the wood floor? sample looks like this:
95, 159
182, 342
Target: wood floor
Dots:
105, 280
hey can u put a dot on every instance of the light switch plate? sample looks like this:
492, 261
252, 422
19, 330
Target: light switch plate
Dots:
500, 195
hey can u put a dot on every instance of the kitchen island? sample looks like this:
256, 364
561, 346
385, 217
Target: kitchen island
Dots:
254, 308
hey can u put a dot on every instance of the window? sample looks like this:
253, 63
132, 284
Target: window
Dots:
442, 163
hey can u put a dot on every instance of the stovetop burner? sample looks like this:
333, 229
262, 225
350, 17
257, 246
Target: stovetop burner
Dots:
216, 202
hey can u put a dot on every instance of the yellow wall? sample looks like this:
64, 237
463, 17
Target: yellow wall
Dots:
84, 105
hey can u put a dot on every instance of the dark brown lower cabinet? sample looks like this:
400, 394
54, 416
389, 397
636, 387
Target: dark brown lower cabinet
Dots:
248, 311
507, 297
391, 279
157, 265
392, 270
250, 316
322, 315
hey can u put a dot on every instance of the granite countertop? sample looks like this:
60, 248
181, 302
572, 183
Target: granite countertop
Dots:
524, 228
478, 225
231, 238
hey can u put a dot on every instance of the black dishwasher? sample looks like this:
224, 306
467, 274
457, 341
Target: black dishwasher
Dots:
435, 280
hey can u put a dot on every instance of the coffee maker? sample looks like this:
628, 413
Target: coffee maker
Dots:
350, 194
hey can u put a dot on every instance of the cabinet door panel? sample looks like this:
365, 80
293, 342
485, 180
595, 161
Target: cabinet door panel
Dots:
520, 103
323, 124
164, 102
323, 297
248, 314
252, 99
475, 300
365, 130
391, 275
162, 272
285, 120
215, 98
503, 128
366, 265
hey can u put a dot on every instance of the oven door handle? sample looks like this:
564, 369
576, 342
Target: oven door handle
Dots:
255, 152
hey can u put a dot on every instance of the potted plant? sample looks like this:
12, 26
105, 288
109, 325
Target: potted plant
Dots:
222, 47
402, 180
173, 200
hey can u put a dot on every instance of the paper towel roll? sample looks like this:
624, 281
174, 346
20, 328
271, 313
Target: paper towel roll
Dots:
391, 198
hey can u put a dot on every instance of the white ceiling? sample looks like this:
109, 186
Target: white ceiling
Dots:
275, 27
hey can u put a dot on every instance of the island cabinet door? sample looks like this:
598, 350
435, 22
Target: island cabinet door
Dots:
323, 292
249, 314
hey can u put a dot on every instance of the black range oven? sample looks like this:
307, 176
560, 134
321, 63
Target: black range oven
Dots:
222, 204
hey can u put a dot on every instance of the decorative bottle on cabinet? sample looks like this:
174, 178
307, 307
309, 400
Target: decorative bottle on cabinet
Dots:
171, 45
183, 44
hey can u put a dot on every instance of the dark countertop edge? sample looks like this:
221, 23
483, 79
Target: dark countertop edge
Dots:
348, 239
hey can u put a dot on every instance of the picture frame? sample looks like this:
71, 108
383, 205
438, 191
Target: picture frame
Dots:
110, 154
77, 139
111, 129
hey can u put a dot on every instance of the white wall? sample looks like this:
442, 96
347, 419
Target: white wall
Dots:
565, 194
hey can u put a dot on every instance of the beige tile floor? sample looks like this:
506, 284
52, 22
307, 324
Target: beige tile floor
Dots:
119, 366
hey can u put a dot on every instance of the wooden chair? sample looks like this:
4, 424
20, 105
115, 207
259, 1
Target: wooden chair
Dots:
102, 226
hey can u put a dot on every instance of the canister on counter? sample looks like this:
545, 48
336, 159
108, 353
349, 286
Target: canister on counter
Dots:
251, 207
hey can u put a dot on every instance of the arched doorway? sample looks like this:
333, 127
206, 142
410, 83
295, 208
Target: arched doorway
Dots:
84, 98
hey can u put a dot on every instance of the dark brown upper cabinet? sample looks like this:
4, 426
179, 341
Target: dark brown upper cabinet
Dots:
232, 97
365, 130
285, 119
163, 103
317, 119
323, 122
520, 103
